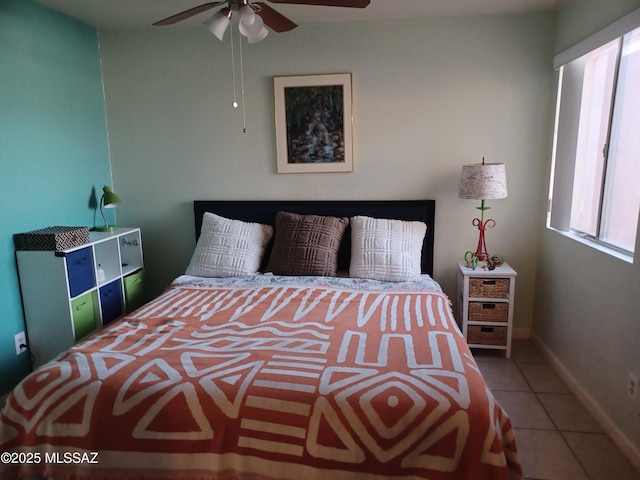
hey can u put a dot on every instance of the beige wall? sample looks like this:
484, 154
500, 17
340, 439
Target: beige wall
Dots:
428, 96
586, 301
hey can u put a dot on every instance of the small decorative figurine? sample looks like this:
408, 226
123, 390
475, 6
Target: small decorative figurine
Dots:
494, 261
491, 262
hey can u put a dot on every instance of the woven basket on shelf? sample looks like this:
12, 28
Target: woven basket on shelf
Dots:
483, 335
52, 238
488, 312
489, 287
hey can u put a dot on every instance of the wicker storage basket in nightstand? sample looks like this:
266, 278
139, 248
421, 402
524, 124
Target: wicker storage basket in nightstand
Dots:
483, 335
488, 312
489, 287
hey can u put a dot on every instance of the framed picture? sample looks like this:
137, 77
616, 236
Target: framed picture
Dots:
314, 123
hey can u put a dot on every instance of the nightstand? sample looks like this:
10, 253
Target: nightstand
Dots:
485, 306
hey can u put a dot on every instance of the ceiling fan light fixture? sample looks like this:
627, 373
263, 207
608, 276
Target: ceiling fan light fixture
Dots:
246, 14
258, 37
217, 24
250, 24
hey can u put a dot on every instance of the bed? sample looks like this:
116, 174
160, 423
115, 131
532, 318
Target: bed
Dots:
305, 340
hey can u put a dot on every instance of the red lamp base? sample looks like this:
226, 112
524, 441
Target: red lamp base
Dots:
481, 251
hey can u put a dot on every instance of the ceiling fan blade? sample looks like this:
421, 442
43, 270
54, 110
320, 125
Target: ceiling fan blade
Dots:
273, 19
328, 3
178, 17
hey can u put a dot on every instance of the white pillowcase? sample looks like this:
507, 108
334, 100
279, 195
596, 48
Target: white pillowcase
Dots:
385, 249
228, 248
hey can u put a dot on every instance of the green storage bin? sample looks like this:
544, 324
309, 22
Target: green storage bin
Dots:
134, 291
83, 312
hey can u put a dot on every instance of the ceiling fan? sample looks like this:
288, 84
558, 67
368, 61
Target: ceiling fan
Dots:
252, 16
249, 10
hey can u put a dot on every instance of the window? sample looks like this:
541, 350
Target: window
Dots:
595, 189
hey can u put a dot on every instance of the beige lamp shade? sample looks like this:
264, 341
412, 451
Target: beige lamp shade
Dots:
483, 181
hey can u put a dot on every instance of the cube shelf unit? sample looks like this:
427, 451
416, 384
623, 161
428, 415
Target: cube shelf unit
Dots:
69, 294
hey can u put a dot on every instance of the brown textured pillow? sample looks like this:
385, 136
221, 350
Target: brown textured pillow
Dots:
306, 244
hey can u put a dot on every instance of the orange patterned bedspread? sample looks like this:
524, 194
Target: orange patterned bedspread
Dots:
264, 381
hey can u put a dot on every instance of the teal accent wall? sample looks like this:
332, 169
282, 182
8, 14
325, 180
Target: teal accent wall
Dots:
54, 155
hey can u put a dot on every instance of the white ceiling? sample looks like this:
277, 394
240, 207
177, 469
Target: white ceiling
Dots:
142, 13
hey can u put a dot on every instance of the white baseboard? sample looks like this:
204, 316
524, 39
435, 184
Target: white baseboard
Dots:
630, 450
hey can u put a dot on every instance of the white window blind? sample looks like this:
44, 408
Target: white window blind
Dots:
596, 151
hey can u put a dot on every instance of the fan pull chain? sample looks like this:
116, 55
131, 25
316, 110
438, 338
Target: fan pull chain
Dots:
233, 78
244, 119
233, 72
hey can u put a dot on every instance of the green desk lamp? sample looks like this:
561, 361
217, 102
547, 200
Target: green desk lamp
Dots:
108, 200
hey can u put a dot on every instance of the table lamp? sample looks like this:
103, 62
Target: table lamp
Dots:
483, 181
108, 200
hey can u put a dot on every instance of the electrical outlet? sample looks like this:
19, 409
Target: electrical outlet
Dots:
21, 342
632, 386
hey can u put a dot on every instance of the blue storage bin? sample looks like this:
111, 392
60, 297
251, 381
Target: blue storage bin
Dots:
80, 271
111, 301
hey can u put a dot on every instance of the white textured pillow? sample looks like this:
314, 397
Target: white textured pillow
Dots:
228, 248
385, 249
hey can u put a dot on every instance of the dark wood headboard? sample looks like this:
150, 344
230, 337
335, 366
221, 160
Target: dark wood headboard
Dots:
265, 212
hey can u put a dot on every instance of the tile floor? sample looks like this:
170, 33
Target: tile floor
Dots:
557, 438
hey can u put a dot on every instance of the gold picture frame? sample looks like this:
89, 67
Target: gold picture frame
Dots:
314, 123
